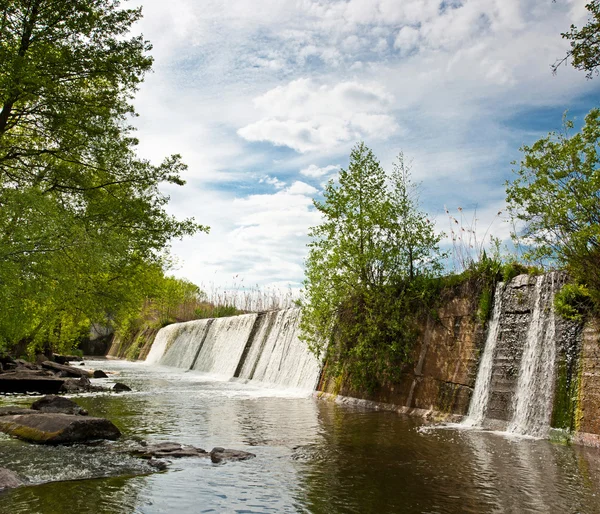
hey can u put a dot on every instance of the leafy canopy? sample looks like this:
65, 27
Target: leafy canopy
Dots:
364, 260
556, 196
81, 216
585, 43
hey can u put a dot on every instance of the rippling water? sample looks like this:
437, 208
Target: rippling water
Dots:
312, 456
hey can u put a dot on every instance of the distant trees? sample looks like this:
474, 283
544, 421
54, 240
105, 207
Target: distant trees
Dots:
363, 263
81, 216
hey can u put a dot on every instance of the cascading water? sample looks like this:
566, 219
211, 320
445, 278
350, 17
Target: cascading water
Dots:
533, 399
481, 393
521, 336
261, 347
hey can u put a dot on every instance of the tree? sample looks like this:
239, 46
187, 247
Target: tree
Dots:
556, 196
81, 215
364, 260
585, 43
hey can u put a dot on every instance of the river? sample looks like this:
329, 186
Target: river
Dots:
311, 456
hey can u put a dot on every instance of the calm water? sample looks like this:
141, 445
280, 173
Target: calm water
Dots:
312, 456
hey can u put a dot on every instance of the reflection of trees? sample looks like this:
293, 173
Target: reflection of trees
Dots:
378, 462
100, 496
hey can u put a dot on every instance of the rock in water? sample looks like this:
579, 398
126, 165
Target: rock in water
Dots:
168, 450
29, 383
99, 374
118, 387
219, 454
58, 404
9, 480
68, 371
48, 428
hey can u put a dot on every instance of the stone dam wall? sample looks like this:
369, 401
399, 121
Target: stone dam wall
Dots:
545, 371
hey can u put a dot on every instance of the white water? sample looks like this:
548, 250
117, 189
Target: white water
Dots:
282, 357
481, 393
263, 348
161, 342
185, 343
533, 399
224, 344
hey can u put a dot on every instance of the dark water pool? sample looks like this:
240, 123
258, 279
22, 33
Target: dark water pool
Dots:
312, 456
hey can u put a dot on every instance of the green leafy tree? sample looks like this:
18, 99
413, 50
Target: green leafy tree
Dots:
363, 263
556, 198
81, 216
585, 43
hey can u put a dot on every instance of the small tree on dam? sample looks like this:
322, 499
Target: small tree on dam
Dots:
366, 270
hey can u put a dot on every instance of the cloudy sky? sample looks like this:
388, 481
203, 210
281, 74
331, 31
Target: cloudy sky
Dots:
265, 98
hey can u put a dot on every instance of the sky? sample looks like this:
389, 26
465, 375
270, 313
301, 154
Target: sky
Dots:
264, 99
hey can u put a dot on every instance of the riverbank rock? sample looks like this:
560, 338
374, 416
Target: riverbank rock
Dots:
219, 454
32, 382
67, 371
15, 411
58, 404
167, 450
49, 428
9, 480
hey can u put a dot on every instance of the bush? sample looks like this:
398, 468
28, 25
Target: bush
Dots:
573, 302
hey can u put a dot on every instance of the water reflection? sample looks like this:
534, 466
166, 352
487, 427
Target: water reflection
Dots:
312, 456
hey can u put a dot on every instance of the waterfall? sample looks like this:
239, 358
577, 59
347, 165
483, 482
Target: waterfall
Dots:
515, 380
481, 393
261, 347
162, 340
533, 399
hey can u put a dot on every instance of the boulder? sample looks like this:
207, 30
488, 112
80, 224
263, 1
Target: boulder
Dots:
76, 386
99, 374
9, 480
58, 404
49, 428
68, 371
118, 387
219, 454
167, 450
31, 382
14, 411
22, 363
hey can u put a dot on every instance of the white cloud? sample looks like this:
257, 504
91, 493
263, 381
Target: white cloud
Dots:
306, 116
407, 39
443, 85
314, 171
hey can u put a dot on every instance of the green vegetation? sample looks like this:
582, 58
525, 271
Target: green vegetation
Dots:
556, 196
82, 220
585, 43
368, 272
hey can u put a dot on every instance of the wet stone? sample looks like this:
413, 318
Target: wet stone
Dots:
9, 479
218, 455
167, 450
58, 404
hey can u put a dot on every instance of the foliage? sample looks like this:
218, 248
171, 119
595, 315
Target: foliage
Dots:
556, 195
585, 43
365, 263
82, 219
210, 310
573, 301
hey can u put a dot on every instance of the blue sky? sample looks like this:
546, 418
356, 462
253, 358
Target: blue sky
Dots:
265, 98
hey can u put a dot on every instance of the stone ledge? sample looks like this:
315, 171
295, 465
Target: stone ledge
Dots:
429, 415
